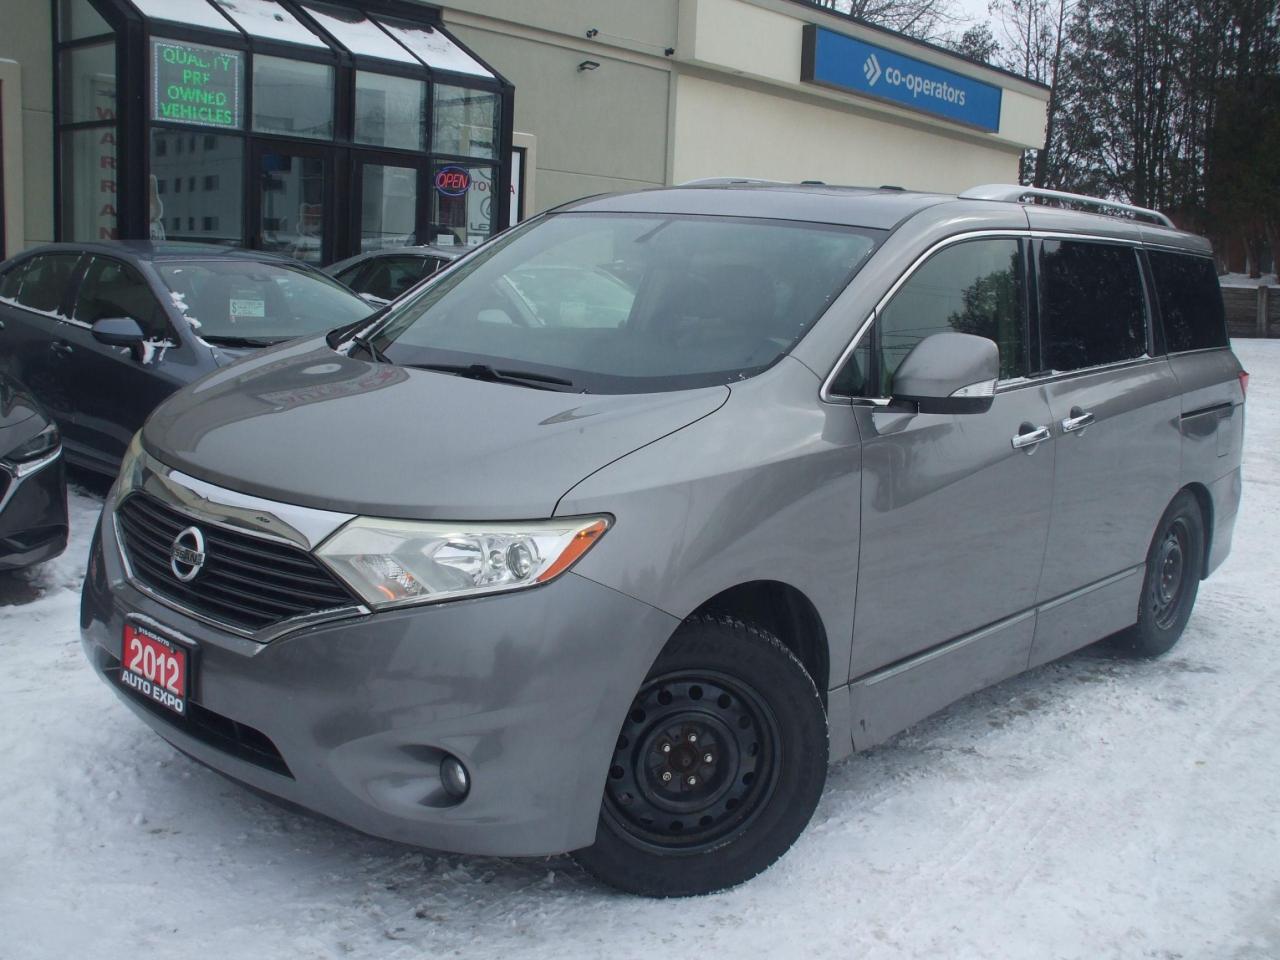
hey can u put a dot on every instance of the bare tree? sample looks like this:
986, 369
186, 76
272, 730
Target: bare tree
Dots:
923, 19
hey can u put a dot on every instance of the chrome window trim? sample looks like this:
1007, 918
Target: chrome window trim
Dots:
825, 394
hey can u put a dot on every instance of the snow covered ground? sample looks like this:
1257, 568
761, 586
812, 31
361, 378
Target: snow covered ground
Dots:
1094, 808
1244, 280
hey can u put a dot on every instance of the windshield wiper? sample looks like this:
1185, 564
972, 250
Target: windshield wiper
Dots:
243, 341
482, 371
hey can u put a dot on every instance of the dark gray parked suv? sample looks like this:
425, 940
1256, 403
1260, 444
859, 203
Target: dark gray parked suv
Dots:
520, 575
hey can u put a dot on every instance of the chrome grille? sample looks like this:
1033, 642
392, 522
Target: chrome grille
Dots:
247, 582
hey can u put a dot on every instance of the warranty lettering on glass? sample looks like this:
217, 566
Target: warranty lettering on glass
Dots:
195, 84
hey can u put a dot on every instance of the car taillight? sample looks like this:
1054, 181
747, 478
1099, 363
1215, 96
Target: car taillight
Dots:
1244, 382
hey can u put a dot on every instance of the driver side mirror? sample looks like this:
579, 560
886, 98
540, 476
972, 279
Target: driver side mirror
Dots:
118, 332
948, 373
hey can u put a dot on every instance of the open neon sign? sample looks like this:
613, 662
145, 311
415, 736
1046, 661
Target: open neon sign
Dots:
453, 181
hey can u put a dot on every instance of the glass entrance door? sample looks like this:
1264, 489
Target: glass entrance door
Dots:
294, 215
389, 202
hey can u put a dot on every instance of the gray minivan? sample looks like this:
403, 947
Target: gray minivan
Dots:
515, 575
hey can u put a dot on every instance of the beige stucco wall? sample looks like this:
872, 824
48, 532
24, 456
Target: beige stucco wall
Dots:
25, 37
727, 130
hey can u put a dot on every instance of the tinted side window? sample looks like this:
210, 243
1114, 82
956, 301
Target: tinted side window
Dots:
44, 285
973, 287
1091, 306
1190, 301
11, 281
392, 276
113, 289
348, 276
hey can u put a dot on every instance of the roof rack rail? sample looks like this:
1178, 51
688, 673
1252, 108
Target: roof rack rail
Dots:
1014, 193
727, 181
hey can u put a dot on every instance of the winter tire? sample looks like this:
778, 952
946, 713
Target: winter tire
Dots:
718, 767
1175, 564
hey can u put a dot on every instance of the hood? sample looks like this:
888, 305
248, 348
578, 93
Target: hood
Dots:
305, 425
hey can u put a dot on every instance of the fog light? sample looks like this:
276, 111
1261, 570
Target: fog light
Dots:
454, 777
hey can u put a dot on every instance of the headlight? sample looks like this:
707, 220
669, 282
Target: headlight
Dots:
394, 562
36, 452
126, 479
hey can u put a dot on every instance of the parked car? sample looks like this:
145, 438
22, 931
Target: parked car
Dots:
509, 585
33, 490
102, 332
382, 275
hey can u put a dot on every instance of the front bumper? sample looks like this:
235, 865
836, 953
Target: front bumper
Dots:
528, 689
33, 516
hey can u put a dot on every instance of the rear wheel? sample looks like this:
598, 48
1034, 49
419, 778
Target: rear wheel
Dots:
1175, 563
718, 767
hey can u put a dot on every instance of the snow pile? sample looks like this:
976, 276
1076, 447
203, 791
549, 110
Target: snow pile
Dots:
1093, 808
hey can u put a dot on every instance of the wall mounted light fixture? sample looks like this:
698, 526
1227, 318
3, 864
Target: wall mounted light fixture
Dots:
588, 65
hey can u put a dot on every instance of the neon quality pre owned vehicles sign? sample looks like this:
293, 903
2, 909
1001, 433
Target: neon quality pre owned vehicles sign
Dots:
836, 60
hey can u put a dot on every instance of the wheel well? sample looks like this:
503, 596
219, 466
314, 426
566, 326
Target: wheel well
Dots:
786, 613
1201, 493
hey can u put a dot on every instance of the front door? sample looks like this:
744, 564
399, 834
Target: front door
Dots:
292, 205
955, 517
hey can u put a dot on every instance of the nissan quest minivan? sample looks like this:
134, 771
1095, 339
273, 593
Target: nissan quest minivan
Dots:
610, 537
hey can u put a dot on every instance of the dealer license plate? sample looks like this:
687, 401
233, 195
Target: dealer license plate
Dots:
155, 668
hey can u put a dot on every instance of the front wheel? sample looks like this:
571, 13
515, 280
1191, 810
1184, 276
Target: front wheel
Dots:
1175, 563
718, 767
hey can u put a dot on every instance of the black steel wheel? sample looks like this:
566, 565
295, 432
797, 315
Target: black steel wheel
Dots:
719, 764
1175, 564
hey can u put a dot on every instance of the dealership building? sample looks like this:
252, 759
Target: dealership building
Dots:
320, 128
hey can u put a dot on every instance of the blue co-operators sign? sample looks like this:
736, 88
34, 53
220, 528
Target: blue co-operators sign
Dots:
836, 60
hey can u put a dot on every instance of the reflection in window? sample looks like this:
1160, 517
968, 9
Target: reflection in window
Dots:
195, 13
388, 206
216, 208
88, 84
973, 287
110, 289
293, 196
465, 122
390, 111
1092, 310
292, 97
89, 184
461, 205
78, 20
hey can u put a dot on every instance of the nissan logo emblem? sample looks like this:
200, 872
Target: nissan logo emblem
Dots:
187, 556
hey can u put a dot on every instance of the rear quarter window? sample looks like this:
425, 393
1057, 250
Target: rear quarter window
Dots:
1190, 301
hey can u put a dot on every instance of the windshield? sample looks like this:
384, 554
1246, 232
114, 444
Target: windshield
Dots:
629, 303
244, 301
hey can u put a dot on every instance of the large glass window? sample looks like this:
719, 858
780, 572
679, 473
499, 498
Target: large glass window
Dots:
465, 122
461, 205
1092, 310
388, 206
292, 97
88, 84
358, 33
111, 289
78, 20
89, 184
1190, 301
207, 208
192, 13
435, 49
391, 111
268, 20
293, 193
973, 287
629, 303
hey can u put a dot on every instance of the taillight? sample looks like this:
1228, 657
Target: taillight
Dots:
1244, 382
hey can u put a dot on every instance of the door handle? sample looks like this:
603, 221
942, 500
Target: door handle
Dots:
60, 348
1029, 436
1078, 420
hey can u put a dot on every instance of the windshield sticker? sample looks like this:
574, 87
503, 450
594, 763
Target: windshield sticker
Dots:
248, 308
